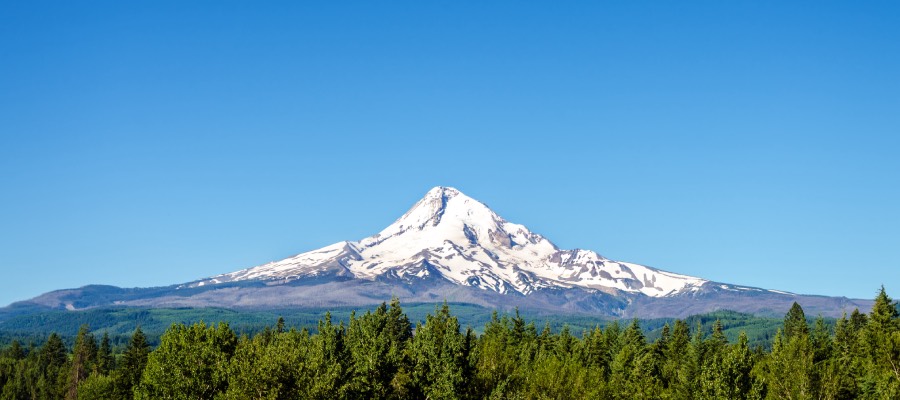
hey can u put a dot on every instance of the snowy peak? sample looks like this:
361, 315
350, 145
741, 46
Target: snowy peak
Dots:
448, 235
427, 211
449, 211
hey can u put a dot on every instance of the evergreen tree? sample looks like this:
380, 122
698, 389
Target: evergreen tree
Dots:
497, 355
789, 372
611, 335
271, 368
595, 351
880, 364
105, 359
838, 380
630, 368
51, 370
377, 343
84, 357
54, 353
14, 351
692, 368
737, 372
330, 361
438, 357
795, 322
190, 363
674, 373
822, 348
714, 379
134, 360
279, 326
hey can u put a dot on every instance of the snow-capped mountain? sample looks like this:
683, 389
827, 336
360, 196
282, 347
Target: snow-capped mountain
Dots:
452, 236
450, 247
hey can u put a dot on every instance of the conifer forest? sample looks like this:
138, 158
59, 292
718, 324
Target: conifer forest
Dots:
382, 355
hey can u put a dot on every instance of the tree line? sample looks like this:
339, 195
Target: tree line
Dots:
382, 355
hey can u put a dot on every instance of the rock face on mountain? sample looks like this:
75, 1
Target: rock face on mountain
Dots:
449, 246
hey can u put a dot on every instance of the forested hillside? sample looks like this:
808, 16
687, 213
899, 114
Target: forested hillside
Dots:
382, 355
119, 323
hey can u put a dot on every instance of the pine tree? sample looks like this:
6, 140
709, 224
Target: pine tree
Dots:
376, 342
880, 366
676, 359
330, 361
594, 352
497, 356
84, 357
738, 366
51, 372
789, 367
105, 359
839, 380
438, 356
692, 366
14, 351
53, 353
795, 322
822, 348
628, 362
134, 360
713, 378
279, 326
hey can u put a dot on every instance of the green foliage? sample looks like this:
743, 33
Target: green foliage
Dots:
84, 359
329, 361
880, 348
377, 346
760, 331
273, 365
438, 353
191, 362
132, 364
378, 355
105, 360
97, 387
119, 323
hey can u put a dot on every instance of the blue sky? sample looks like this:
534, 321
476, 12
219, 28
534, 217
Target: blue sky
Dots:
747, 142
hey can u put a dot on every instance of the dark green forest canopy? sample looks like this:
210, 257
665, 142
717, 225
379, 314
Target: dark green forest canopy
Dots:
385, 353
119, 323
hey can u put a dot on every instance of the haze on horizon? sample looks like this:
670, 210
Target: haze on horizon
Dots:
148, 145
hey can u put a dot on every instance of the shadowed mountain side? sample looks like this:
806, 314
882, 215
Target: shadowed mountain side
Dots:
321, 293
762, 303
347, 292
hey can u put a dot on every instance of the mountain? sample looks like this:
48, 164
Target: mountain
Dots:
449, 235
449, 246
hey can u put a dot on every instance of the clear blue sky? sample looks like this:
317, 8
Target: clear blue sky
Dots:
153, 143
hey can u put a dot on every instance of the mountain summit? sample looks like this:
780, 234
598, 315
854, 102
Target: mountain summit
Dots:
452, 236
